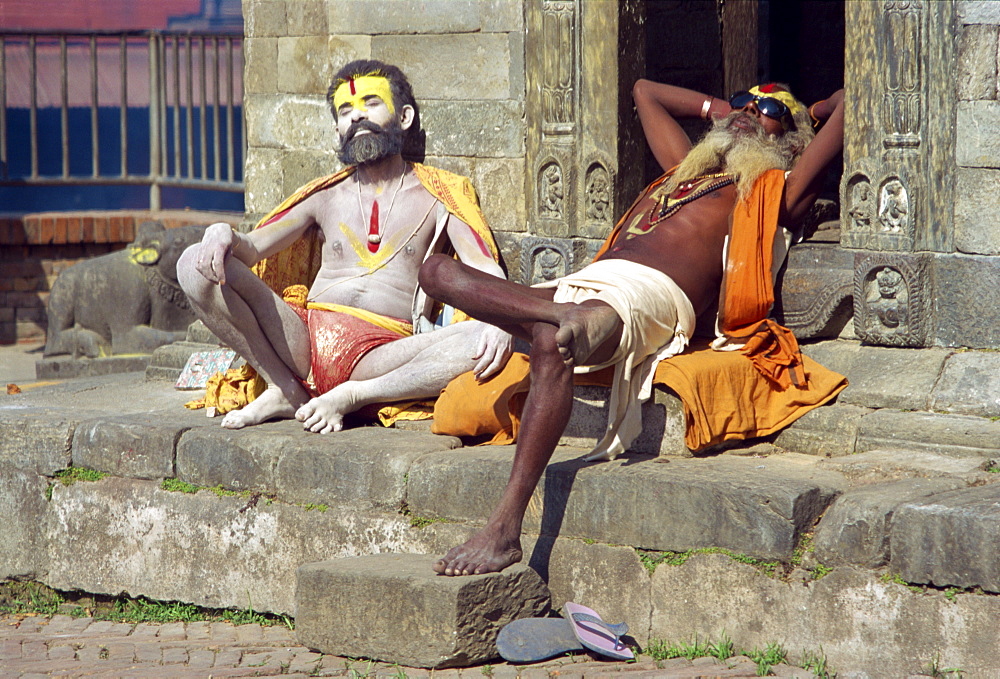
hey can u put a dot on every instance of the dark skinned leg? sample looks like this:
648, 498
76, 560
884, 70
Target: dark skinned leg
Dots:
546, 413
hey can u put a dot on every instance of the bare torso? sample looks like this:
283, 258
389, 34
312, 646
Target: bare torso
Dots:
383, 281
686, 246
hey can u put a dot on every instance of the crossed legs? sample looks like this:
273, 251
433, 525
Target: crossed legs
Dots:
561, 335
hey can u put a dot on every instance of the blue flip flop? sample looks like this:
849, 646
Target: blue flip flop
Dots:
595, 634
536, 639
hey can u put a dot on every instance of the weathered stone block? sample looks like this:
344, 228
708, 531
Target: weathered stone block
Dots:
576, 570
829, 431
343, 49
37, 438
816, 290
855, 529
949, 539
136, 446
306, 17
978, 11
882, 377
404, 16
291, 122
957, 435
977, 63
473, 128
501, 16
977, 134
977, 197
264, 18
662, 422
969, 385
394, 608
757, 507
304, 64
263, 187
65, 368
365, 465
500, 185
227, 552
450, 67
261, 68
866, 627
880, 466
301, 167
23, 506
968, 319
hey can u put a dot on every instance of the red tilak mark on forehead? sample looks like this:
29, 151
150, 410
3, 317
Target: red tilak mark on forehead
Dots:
353, 91
768, 88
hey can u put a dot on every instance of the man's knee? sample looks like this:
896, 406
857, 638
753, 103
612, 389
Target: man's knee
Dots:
192, 282
544, 350
436, 275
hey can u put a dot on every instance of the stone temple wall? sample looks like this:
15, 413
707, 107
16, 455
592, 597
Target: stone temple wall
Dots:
464, 58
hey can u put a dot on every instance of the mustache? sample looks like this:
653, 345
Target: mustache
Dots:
727, 121
361, 125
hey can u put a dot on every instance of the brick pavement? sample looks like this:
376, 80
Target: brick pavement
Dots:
64, 646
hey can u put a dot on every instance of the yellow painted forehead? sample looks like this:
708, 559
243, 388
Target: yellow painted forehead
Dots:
354, 91
784, 97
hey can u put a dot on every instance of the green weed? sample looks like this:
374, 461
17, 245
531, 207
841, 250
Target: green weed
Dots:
423, 521
819, 571
178, 486
319, 508
652, 559
816, 663
28, 598
71, 475
897, 579
935, 670
657, 649
723, 648
773, 654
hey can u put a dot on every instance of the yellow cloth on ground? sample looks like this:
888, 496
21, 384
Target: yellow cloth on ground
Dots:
230, 390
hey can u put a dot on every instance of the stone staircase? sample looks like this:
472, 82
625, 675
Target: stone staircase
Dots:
868, 527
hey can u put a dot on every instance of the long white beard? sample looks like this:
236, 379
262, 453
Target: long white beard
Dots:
745, 155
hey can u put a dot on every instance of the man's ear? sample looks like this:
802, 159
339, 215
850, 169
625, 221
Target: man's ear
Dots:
406, 116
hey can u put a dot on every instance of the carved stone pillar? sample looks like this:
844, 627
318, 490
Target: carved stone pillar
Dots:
896, 191
580, 129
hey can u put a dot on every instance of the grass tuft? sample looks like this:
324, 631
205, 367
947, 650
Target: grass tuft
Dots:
71, 475
178, 486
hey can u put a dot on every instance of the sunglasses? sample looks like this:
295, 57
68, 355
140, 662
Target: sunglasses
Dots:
768, 106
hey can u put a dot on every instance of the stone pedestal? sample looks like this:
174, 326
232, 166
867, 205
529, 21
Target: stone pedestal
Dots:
394, 608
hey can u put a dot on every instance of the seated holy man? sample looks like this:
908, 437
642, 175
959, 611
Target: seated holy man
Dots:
701, 236
322, 298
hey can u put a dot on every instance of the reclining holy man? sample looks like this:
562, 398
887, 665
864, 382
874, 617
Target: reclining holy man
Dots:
662, 268
361, 332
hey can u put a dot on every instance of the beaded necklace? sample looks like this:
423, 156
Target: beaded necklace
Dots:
666, 206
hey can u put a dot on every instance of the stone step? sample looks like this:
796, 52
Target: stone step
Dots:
167, 362
65, 367
420, 620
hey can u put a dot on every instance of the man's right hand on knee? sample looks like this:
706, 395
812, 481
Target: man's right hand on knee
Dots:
215, 248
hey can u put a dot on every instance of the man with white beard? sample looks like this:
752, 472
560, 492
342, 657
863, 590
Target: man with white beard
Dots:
331, 315
699, 238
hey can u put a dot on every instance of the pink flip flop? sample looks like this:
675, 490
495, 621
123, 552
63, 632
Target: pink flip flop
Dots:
595, 634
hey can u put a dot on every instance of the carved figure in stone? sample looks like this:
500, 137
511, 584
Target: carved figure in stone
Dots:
355, 327
550, 191
653, 279
889, 298
547, 265
894, 207
598, 191
861, 205
125, 302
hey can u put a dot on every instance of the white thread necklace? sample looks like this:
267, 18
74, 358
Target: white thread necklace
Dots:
374, 228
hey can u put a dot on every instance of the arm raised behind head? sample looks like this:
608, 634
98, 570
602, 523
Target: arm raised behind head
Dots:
806, 177
659, 105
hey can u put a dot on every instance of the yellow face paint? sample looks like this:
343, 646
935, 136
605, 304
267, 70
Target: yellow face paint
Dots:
356, 90
785, 98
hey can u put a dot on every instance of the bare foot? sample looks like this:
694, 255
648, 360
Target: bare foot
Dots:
325, 413
583, 329
269, 405
485, 552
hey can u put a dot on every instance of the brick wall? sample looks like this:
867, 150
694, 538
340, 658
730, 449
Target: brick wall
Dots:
36, 248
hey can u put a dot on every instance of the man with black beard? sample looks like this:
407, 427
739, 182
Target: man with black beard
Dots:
698, 243
322, 298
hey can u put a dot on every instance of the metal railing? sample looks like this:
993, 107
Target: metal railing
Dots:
188, 85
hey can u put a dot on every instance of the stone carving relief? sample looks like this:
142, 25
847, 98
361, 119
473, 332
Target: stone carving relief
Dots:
894, 208
544, 259
559, 66
891, 294
597, 194
860, 204
551, 191
903, 47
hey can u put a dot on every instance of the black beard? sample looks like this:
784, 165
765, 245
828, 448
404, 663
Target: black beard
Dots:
379, 143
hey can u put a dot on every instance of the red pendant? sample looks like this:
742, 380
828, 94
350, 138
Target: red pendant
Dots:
374, 238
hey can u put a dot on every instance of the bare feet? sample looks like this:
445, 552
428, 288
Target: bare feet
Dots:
485, 552
583, 329
325, 413
269, 405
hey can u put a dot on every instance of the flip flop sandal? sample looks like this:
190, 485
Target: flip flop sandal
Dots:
595, 634
536, 639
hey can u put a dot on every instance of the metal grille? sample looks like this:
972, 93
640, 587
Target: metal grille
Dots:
91, 86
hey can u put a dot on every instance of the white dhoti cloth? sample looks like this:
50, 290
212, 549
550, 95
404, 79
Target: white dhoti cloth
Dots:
658, 322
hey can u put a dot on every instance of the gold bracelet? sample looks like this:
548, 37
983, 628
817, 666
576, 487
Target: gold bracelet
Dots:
705, 108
